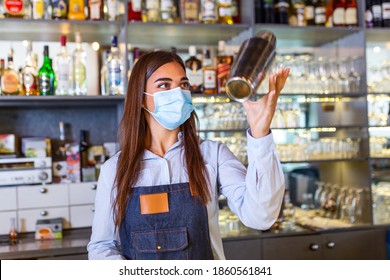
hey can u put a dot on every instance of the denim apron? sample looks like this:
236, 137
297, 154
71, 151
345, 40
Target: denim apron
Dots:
181, 233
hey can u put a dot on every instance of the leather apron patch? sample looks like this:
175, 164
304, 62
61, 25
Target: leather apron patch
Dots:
154, 203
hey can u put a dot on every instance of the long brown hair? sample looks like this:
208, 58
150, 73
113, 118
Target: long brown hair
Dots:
133, 129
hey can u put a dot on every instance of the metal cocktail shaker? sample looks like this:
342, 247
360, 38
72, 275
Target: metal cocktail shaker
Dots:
249, 69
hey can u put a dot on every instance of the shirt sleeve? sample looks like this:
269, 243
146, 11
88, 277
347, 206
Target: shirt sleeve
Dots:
254, 194
104, 243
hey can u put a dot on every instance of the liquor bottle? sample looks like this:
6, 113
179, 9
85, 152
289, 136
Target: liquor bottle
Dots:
47, 9
208, 11
46, 76
10, 84
76, 10
376, 8
385, 13
38, 9
259, 11
225, 11
112, 10
269, 12
281, 8
151, 11
59, 9
115, 69
351, 13
189, 11
16, 8
29, 75
224, 62
104, 74
338, 15
95, 8
1, 72
63, 70
83, 149
167, 11
60, 170
194, 70
209, 75
320, 13
368, 15
299, 8
135, 10
309, 12
13, 233
79, 71
236, 11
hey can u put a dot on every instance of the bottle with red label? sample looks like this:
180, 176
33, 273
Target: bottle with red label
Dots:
338, 15
16, 8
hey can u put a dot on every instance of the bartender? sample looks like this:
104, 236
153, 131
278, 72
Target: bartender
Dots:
158, 197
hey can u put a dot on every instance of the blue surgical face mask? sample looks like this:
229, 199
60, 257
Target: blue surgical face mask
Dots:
171, 107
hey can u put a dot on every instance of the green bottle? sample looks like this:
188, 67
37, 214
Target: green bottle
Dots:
46, 75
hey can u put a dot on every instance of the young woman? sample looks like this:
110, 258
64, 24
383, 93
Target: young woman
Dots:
158, 197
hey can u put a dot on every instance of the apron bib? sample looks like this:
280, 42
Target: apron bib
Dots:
165, 223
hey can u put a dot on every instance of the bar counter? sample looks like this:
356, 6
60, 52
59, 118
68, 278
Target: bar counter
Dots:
358, 242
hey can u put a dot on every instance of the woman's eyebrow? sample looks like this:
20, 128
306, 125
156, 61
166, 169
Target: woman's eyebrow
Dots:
163, 79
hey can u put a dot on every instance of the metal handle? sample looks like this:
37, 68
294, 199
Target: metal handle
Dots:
44, 213
314, 247
94, 187
43, 190
331, 245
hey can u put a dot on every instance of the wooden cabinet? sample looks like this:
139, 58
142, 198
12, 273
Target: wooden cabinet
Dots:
8, 206
350, 244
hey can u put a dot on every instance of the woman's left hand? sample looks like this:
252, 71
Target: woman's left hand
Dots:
259, 113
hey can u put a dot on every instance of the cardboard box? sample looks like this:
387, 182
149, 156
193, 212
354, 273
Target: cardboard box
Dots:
48, 229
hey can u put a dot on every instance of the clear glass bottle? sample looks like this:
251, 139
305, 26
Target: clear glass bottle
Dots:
79, 72
104, 74
225, 11
167, 10
189, 11
151, 11
112, 10
115, 69
29, 74
194, 70
63, 70
13, 232
46, 75
10, 84
208, 11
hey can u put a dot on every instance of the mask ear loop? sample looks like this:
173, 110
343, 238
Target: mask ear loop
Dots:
143, 106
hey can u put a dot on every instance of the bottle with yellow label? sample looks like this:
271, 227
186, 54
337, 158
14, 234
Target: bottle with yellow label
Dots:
76, 10
225, 11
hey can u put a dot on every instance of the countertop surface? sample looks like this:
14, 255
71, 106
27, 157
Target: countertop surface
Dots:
73, 245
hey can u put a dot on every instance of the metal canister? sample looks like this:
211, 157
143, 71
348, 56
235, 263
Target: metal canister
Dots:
254, 57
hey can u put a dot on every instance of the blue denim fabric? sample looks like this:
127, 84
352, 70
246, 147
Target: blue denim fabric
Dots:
182, 233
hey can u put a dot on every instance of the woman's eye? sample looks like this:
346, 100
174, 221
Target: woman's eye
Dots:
185, 85
164, 85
